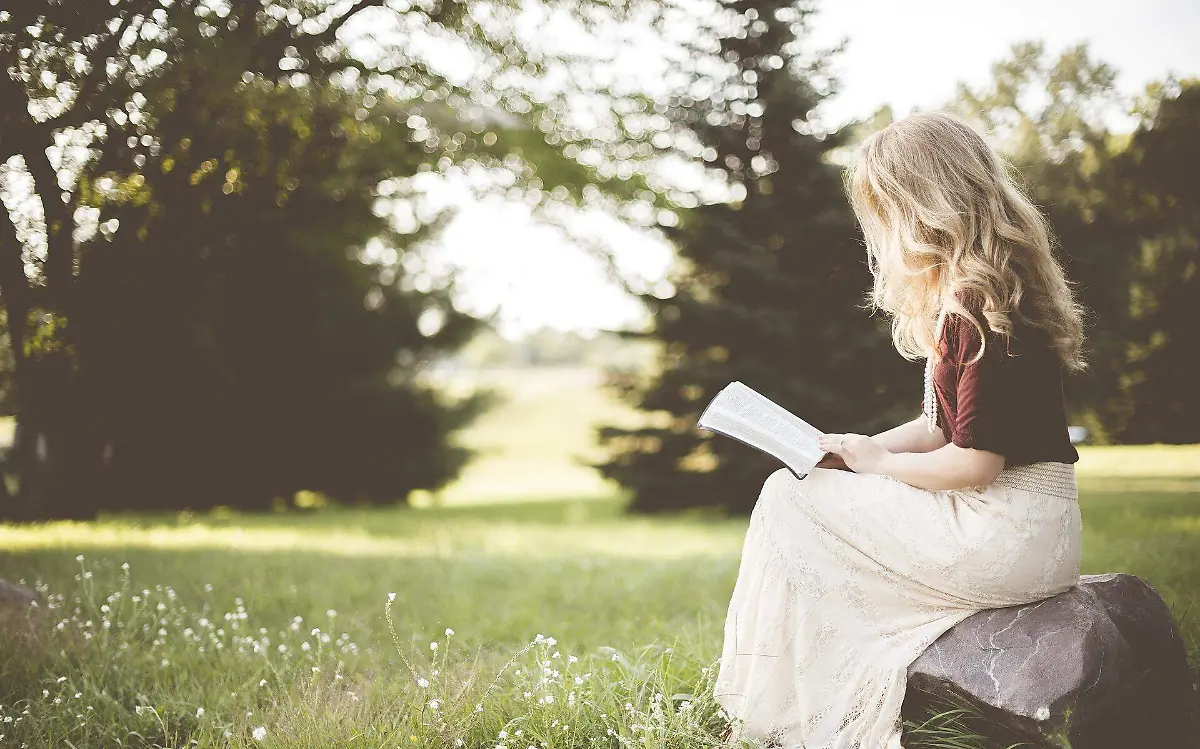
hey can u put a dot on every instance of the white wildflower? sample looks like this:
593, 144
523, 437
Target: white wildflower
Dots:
391, 597
449, 632
199, 712
259, 733
433, 645
1042, 713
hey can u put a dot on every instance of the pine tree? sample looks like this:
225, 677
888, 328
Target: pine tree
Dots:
769, 288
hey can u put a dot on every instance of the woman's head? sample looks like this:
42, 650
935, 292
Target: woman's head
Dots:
946, 225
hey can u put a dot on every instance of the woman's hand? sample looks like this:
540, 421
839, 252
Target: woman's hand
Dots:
860, 453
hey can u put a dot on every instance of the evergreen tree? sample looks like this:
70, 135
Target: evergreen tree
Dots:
769, 288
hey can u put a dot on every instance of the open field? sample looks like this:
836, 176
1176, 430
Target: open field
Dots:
639, 602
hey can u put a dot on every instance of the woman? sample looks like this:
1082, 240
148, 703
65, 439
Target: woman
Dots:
847, 576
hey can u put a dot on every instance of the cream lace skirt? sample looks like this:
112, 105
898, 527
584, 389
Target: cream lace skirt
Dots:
846, 578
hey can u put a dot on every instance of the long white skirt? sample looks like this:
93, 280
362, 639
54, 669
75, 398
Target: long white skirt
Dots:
846, 578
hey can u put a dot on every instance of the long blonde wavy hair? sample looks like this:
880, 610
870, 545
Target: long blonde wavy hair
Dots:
947, 227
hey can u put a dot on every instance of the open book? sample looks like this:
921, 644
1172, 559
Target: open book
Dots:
753, 419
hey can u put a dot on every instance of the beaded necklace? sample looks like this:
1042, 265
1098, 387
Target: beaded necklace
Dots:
929, 407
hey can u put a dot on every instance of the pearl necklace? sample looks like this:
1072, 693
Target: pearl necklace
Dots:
929, 406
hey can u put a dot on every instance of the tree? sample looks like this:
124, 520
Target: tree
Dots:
1158, 193
232, 346
95, 94
770, 285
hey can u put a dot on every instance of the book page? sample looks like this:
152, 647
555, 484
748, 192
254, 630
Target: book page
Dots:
743, 414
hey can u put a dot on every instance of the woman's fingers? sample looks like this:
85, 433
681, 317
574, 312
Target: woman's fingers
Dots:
830, 443
837, 443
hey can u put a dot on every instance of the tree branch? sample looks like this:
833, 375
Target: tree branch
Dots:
99, 72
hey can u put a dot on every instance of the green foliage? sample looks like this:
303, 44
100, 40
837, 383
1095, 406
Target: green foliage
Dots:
233, 336
211, 289
770, 286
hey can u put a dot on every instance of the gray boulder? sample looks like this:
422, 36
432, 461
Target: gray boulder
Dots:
1101, 666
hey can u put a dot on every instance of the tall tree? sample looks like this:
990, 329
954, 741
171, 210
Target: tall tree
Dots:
1160, 198
94, 94
232, 345
770, 285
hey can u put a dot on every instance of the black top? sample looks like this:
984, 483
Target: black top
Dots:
1009, 402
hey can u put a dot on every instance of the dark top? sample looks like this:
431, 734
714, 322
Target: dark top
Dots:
1009, 402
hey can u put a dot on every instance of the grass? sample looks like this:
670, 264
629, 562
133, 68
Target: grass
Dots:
571, 623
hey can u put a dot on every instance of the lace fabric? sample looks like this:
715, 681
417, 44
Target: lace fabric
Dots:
846, 578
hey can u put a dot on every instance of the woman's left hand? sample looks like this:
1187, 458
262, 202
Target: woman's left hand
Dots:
861, 453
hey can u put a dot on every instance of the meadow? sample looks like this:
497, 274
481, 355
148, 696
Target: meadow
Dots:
473, 619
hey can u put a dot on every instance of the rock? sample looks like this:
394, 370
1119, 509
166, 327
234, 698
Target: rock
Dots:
1102, 666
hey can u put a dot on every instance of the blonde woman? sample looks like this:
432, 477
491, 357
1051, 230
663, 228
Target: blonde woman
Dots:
848, 575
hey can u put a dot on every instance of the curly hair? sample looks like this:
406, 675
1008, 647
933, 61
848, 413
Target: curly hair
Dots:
947, 227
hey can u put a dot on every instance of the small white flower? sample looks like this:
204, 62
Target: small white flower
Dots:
262, 683
316, 670
449, 632
433, 646
502, 735
79, 558
1042, 713
259, 733
199, 712
125, 566
435, 704
422, 682
572, 659
391, 597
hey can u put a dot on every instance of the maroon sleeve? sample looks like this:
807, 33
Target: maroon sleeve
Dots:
984, 406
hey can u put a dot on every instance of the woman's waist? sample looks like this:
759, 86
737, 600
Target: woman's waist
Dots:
1046, 477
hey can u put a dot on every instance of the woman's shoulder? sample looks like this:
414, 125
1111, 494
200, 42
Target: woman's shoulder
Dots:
964, 332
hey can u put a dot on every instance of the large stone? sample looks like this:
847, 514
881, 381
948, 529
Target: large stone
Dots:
1101, 666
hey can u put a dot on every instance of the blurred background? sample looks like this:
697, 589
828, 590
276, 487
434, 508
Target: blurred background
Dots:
292, 255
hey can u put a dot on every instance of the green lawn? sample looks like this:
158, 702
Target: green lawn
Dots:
639, 602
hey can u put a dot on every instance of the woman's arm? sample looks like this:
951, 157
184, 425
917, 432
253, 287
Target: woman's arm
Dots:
911, 437
948, 467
